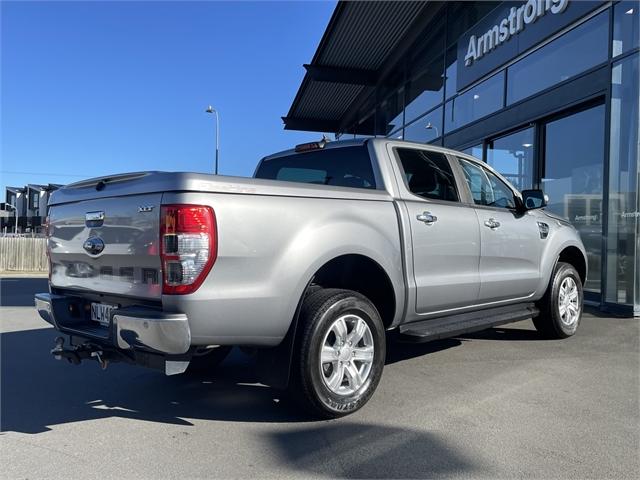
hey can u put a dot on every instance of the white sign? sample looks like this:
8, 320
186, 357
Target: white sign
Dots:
511, 25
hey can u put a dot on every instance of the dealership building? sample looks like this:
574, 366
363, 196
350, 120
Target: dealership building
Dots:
545, 91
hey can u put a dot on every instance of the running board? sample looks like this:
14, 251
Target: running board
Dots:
454, 325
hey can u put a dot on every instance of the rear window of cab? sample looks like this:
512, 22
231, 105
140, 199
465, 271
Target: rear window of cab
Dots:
340, 167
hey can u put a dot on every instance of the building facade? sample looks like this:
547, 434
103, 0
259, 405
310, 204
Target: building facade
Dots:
546, 91
27, 206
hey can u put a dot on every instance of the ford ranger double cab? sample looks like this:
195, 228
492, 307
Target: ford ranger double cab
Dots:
330, 250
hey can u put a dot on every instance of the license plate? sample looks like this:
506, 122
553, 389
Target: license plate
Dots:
101, 313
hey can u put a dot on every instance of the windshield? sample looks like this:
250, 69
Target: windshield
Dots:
342, 167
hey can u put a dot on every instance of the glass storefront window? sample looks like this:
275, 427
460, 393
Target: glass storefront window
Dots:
426, 129
474, 151
577, 50
424, 92
475, 103
460, 17
390, 116
512, 156
399, 135
451, 73
425, 86
573, 179
626, 31
623, 236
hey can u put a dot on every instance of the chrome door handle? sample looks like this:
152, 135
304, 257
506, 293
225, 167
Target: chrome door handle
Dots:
492, 223
427, 217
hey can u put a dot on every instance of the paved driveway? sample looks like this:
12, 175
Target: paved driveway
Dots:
501, 403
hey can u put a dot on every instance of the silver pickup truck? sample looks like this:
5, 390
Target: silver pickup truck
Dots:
314, 263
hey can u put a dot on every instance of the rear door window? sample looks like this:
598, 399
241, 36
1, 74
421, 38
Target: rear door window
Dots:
341, 167
428, 174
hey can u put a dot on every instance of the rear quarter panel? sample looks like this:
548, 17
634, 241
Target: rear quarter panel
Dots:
269, 247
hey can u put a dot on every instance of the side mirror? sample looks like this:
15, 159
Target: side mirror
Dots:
533, 199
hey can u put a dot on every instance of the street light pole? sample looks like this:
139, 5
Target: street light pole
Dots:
432, 127
210, 109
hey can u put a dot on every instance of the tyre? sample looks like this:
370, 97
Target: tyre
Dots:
207, 360
339, 352
561, 306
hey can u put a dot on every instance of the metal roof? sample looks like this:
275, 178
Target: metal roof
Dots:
357, 43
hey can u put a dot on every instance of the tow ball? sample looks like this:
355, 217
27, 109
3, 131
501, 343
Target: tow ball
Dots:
76, 353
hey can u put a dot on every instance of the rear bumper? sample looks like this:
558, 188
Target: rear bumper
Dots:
137, 328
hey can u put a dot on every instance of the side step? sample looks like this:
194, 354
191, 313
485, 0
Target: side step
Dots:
453, 325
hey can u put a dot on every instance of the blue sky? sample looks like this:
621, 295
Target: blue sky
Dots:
92, 88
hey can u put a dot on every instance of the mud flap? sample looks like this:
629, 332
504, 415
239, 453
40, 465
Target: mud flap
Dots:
274, 364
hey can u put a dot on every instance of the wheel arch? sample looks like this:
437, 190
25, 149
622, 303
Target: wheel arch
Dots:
364, 275
574, 256
339, 272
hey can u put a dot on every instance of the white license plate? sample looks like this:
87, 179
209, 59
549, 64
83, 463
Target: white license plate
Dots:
101, 313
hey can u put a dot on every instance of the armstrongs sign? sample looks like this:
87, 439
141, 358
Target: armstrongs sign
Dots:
510, 25
509, 30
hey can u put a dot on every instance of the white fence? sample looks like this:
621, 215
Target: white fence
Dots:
20, 254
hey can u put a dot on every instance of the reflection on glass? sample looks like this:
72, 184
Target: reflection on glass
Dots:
623, 250
424, 92
475, 103
425, 86
512, 156
572, 53
475, 151
425, 129
461, 16
451, 74
390, 113
626, 31
574, 176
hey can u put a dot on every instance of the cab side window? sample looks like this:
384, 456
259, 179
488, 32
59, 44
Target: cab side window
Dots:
486, 188
428, 174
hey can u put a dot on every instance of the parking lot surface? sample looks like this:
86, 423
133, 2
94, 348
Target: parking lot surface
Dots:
496, 404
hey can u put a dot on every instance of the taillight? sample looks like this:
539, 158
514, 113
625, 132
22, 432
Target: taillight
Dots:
188, 246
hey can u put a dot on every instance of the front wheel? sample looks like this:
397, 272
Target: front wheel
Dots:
561, 306
340, 352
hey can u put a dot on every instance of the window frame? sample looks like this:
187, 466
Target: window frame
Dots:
406, 192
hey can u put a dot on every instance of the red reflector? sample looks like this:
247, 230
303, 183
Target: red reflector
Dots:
188, 246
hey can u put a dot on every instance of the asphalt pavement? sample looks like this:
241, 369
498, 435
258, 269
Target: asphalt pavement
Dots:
497, 404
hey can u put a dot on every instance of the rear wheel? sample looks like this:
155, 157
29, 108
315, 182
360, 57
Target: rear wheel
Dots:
561, 306
339, 355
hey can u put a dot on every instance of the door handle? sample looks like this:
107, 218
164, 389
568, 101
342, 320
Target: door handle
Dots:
492, 223
427, 217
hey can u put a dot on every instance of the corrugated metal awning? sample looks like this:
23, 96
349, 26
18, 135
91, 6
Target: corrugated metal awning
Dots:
358, 41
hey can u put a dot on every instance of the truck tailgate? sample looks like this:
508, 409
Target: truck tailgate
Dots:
108, 245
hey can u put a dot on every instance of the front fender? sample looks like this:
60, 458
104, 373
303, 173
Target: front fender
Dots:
560, 238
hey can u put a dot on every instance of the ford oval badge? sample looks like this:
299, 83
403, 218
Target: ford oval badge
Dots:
93, 245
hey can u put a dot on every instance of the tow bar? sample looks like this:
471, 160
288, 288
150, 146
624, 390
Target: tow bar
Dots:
76, 353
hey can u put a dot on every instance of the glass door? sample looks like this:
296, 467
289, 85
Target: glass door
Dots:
513, 156
573, 178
